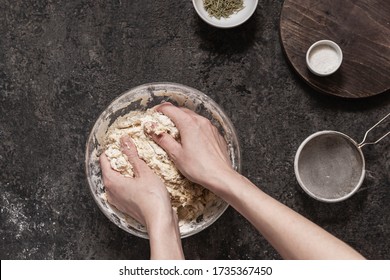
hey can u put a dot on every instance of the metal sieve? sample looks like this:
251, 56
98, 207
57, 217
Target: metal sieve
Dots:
330, 166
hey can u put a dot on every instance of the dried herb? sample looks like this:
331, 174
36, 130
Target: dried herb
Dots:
222, 8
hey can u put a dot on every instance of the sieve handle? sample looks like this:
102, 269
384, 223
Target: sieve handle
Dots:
362, 144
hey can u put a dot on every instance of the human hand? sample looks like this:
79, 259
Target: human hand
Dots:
202, 153
144, 197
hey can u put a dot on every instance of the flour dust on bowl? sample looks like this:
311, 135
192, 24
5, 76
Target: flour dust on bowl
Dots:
330, 165
142, 98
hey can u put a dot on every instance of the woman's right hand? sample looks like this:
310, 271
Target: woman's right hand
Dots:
202, 154
203, 158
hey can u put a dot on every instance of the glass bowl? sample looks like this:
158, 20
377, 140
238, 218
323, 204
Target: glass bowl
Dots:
141, 98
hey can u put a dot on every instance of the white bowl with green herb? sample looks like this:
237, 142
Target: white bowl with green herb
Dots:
225, 13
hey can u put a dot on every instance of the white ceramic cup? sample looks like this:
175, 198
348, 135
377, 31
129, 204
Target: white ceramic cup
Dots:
324, 58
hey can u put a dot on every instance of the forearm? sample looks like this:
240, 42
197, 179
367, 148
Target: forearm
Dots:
164, 238
292, 235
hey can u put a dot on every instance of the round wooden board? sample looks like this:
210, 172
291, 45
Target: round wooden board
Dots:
362, 30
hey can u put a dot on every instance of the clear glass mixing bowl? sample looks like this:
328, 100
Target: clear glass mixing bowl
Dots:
141, 98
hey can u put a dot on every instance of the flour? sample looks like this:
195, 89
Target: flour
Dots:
13, 212
324, 59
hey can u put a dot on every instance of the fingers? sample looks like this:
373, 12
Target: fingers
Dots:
164, 140
168, 143
178, 116
181, 116
106, 171
130, 150
105, 164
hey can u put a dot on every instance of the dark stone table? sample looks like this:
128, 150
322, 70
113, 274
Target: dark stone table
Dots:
63, 62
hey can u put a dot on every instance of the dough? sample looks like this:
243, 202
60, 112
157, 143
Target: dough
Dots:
188, 199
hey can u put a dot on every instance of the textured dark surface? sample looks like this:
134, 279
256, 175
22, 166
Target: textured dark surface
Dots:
63, 62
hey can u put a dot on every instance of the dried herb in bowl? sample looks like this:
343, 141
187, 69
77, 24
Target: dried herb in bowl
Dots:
222, 8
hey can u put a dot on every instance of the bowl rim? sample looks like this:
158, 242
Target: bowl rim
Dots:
226, 24
155, 84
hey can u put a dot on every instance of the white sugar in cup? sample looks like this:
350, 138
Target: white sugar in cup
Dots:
324, 58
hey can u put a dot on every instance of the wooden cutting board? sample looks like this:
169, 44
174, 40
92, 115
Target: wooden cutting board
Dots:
362, 30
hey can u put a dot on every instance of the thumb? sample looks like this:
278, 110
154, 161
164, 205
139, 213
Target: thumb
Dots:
164, 140
105, 164
130, 150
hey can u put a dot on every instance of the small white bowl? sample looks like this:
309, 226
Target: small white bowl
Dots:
324, 58
232, 21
